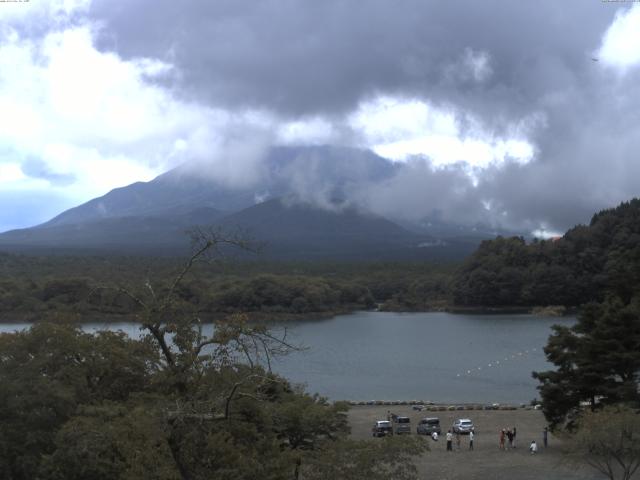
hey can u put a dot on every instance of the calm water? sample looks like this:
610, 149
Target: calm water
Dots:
404, 356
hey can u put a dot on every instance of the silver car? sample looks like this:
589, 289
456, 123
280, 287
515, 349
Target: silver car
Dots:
463, 425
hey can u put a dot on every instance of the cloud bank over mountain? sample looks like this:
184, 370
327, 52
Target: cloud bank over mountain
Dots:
520, 115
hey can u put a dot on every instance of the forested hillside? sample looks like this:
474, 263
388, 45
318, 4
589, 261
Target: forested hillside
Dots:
584, 265
37, 288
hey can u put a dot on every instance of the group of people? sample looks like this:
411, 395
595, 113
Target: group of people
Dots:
510, 435
450, 436
506, 435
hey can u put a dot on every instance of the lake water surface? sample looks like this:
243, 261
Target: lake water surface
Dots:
431, 356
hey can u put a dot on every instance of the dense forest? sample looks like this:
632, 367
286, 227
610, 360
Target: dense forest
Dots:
84, 287
173, 405
584, 265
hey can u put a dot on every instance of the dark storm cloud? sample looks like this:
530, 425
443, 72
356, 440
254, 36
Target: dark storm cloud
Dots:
305, 57
301, 59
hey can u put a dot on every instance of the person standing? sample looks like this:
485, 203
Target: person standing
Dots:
545, 433
510, 438
449, 440
457, 440
514, 437
533, 448
502, 439
471, 440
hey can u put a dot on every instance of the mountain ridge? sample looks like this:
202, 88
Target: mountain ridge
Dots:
155, 215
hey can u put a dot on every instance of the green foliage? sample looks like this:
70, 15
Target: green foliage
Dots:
584, 265
175, 404
302, 421
108, 441
76, 405
47, 372
272, 293
47, 288
597, 360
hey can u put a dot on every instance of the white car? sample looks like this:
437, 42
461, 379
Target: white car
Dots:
463, 425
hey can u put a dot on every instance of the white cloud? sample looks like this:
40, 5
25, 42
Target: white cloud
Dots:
44, 11
621, 42
11, 173
89, 116
399, 129
312, 131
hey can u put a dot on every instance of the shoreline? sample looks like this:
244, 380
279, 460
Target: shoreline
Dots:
259, 317
427, 406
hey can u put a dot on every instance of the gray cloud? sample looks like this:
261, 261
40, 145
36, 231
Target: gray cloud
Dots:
309, 57
36, 168
301, 59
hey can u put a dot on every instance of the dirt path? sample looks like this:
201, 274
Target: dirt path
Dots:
487, 461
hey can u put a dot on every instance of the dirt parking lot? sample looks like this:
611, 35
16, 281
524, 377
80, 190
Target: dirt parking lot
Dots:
487, 461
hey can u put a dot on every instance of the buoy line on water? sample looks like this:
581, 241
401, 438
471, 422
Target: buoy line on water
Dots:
498, 363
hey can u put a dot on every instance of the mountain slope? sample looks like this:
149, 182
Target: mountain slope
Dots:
303, 231
127, 234
152, 217
192, 186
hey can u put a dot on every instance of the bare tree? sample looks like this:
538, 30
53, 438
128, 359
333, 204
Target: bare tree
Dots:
608, 440
178, 330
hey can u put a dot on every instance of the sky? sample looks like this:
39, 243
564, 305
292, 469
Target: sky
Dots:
522, 115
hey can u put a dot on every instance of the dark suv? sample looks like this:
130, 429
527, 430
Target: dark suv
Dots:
427, 426
401, 425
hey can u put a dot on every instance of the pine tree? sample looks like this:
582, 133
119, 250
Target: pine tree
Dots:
597, 360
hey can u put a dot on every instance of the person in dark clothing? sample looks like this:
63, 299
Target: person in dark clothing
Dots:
514, 437
510, 438
545, 433
449, 441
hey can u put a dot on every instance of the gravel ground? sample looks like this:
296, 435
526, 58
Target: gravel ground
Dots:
487, 461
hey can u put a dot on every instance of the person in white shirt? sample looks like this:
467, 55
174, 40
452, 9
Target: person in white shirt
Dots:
449, 441
533, 448
471, 440
434, 436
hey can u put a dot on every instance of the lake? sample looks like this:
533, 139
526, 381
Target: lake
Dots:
433, 356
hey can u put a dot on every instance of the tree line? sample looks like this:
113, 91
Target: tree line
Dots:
36, 288
584, 265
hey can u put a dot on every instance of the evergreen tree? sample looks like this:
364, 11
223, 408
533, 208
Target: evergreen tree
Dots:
597, 360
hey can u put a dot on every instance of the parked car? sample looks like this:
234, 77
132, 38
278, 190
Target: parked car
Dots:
401, 425
428, 425
382, 428
463, 425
